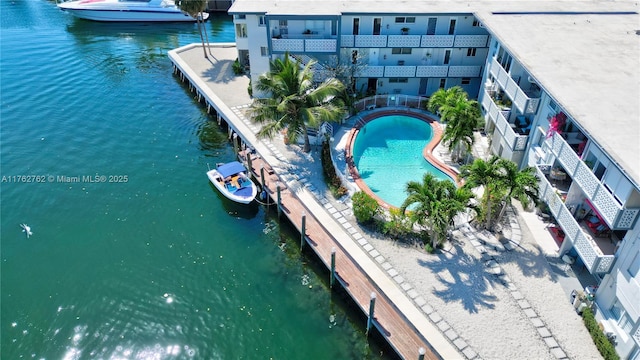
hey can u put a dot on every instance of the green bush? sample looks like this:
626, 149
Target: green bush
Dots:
398, 226
333, 181
364, 207
606, 348
237, 68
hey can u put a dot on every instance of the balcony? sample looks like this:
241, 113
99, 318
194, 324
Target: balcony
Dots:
399, 71
616, 216
464, 71
435, 41
597, 258
522, 101
304, 45
413, 41
515, 141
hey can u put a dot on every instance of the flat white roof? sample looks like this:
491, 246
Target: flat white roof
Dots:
585, 54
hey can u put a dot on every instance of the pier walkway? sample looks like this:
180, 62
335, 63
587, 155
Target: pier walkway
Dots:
397, 317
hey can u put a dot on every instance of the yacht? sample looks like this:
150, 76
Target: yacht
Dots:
128, 11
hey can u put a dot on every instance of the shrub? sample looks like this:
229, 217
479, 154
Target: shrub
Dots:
364, 207
606, 348
237, 68
398, 226
333, 181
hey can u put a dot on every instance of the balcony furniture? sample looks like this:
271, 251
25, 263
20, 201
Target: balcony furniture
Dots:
597, 227
557, 174
568, 260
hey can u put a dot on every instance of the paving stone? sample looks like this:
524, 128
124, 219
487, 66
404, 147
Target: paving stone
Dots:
443, 326
558, 353
517, 295
537, 322
328, 206
495, 270
406, 286
511, 286
342, 220
475, 243
530, 313
544, 332
399, 279
435, 317
367, 247
363, 241
509, 246
524, 304
451, 335
420, 301
380, 259
427, 309
459, 343
551, 342
491, 263
357, 236
392, 272
337, 215
469, 353
374, 253
386, 266
351, 230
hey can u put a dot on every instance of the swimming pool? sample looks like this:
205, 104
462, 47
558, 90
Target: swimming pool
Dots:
388, 153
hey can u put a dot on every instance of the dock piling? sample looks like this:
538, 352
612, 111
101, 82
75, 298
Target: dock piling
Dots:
333, 267
279, 202
421, 353
303, 231
372, 305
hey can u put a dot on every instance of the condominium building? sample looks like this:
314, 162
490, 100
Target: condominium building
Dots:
559, 86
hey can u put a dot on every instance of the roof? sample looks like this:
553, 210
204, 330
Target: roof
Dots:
231, 168
585, 54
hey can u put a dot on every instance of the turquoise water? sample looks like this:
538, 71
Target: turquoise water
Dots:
146, 260
388, 154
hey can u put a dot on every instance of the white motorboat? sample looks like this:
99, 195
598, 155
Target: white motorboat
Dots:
128, 10
232, 181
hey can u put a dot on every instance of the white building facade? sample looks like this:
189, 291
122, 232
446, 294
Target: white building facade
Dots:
575, 118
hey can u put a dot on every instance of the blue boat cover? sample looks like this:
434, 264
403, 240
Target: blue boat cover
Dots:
231, 168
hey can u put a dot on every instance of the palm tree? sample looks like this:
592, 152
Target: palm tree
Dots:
519, 184
294, 103
461, 116
443, 97
501, 181
195, 9
436, 204
484, 174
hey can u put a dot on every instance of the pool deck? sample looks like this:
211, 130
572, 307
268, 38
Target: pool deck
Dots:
427, 152
397, 317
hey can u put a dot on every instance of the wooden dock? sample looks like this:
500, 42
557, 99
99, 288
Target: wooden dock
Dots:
398, 319
391, 323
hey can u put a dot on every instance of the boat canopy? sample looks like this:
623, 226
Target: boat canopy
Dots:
231, 168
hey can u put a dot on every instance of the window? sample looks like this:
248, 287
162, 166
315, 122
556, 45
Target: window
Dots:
471, 52
431, 26
465, 81
263, 51
241, 30
452, 26
635, 265
443, 82
261, 20
399, 80
476, 23
397, 51
356, 26
240, 17
447, 56
402, 19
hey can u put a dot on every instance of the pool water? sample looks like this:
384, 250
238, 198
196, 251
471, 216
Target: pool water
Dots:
388, 154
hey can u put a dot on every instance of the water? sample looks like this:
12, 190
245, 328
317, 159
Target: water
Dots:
388, 154
146, 260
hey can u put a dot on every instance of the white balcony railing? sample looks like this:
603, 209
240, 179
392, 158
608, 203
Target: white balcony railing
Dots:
524, 103
471, 41
590, 253
516, 141
291, 45
464, 71
371, 71
399, 71
411, 41
321, 45
616, 216
436, 71
435, 41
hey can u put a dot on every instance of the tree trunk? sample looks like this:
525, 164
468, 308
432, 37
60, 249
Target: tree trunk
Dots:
307, 143
201, 36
